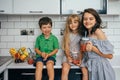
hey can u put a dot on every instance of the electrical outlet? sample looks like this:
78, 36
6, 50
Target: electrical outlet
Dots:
24, 32
61, 31
30, 32
27, 32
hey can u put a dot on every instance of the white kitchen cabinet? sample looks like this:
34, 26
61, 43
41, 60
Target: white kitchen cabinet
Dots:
113, 7
5, 6
36, 7
77, 6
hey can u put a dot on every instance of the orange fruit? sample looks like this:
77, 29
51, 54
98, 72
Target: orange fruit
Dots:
17, 55
23, 57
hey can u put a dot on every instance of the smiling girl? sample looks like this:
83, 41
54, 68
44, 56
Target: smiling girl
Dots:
71, 47
98, 48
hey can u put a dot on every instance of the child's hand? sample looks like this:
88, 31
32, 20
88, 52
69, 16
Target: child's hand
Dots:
69, 59
77, 62
89, 46
43, 54
47, 55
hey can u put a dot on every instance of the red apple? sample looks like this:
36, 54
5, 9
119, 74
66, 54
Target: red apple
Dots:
75, 62
30, 61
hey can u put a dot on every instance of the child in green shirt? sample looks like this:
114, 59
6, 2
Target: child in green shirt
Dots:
46, 47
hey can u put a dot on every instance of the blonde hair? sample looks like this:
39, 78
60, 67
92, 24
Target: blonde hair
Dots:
67, 31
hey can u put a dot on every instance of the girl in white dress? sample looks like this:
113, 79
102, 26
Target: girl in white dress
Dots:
71, 47
96, 60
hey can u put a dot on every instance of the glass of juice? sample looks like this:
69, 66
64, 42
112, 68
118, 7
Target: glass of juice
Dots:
83, 43
75, 56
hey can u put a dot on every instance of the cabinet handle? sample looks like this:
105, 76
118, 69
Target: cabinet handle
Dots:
80, 12
27, 74
78, 73
2, 11
36, 11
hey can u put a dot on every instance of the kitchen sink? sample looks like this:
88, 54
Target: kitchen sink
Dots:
4, 59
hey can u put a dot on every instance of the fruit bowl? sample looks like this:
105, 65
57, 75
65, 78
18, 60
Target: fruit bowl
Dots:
19, 55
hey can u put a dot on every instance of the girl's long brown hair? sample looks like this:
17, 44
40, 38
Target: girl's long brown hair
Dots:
67, 31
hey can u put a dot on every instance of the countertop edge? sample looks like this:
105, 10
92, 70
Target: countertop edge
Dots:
25, 65
11, 65
4, 66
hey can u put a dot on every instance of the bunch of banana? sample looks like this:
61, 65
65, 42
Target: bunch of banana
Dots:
13, 51
24, 53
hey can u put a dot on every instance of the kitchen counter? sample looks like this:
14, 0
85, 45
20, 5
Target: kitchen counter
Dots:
12, 65
5, 60
25, 65
24, 69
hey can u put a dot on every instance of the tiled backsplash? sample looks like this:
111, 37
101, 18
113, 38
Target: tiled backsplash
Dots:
11, 26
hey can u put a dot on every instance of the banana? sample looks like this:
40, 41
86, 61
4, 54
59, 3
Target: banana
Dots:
23, 48
25, 53
13, 51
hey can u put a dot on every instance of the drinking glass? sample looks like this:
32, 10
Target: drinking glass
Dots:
83, 43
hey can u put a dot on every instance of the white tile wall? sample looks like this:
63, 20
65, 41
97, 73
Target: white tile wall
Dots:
3, 18
115, 61
56, 32
27, 18
7, 38
13, 18
3, 31
21, 38
12, 25
116, 66
60, 25
3, 45
12, 44
20, 25
13, 32
32, 24
7, 25
31, 38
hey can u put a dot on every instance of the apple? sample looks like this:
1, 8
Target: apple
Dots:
75, 62
30, 61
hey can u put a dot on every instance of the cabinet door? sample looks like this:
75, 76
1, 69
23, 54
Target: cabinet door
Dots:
37, 6
77, 6
5, 6
21, 74
2, 76
113, 7
75, 74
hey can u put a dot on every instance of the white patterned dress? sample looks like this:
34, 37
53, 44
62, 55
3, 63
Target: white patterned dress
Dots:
99, 68
74, 45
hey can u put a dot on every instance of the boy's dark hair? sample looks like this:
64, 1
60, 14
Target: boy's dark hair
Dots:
45, 21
